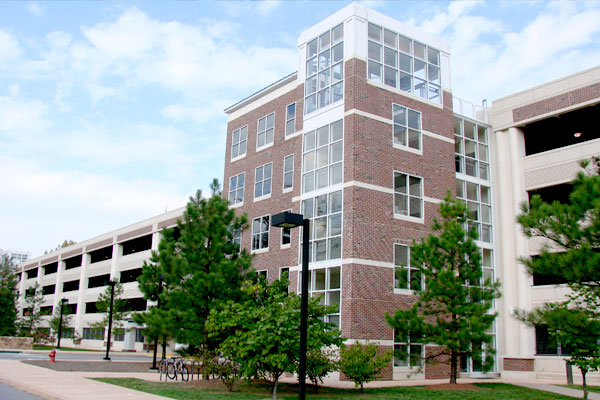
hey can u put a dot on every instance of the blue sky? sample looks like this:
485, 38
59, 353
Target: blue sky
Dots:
112, 112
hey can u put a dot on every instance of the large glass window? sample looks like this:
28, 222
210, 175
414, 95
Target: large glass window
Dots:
260, 233
323, 153
407, 127
288, 172
266, 127
325, 213
324, 83
238, 142
325, 283
478, 199
262, 180
286, 234
236, 188
407, 353
93, 333
408, 195
402, 63
471, 149
406, 276
290, 119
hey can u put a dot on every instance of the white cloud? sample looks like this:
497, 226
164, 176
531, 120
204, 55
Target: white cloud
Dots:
444, 19
266, 7
21, 115
9, 47
35, 9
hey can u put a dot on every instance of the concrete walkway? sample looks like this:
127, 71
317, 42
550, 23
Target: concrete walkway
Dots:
57, 385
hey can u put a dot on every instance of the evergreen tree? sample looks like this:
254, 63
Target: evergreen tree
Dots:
454, 311
202, 267
8, 298
120, 311
571, 253
32, 314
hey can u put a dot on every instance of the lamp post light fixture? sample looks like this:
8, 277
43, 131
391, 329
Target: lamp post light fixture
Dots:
110, 317
62, 306
160, 286
290, 220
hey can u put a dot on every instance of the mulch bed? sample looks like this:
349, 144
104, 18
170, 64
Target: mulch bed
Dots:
448, 386
92, 366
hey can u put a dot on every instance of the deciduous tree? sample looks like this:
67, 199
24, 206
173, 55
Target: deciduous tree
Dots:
361, 363
8, 298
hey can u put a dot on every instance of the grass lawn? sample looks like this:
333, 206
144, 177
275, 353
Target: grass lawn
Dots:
48, 347
201, 390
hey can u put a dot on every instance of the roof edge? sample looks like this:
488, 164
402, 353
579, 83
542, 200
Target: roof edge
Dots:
276, 85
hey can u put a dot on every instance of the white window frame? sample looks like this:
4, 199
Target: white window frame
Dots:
262, 182
408, 217
237, 189
260, 249
329, 236
409, 344
406, 127
326, 290
259, 132
291, 172
289, 119
239, 155
263, 272
409, 268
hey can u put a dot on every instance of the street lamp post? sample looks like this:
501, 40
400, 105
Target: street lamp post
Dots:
62, 304
110, 316
160, 285
290, 220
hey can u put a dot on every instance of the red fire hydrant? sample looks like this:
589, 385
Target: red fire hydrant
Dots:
52, 356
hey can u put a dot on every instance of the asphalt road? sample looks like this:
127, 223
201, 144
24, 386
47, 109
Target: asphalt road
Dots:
10, 393
81, 356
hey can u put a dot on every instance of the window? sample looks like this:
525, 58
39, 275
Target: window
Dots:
325, 283
136, 245
406, 353
49, 289
236, 188
67, 333
91, 307
238, 142
265, 130
98, 281
323, 152
478, 199
471, 149
325, 213
136, 304
130, 275
263, 274
31, 273
546, 345
139, 336
290, 119
286, 234
118, 335
46, 310
406, 276
324, 83
73, 262
236, 237
71, 286
284, 272
262, 180
93, 334
260, 233
407, 127
50, 268
402, 63
102, 254
288, 172
408, 195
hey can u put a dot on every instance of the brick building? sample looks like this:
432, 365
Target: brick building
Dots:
366, 139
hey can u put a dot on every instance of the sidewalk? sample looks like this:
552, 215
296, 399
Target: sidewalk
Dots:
56, 385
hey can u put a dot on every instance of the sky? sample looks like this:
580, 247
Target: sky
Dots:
112, 112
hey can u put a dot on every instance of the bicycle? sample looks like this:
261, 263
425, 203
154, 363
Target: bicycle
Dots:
177, 365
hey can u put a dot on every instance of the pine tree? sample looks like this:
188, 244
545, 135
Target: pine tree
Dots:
454, 310
119, 308
201, 268
8, 298
32, 314
571, 253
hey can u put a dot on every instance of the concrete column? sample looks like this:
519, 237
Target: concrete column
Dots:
57, 284
85, 262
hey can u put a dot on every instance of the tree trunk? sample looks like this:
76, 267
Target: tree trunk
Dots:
275, 387
453, 366
362, 390
585, 388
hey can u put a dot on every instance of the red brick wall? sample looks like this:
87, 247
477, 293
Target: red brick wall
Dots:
555, 103
439, 369
518, 364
